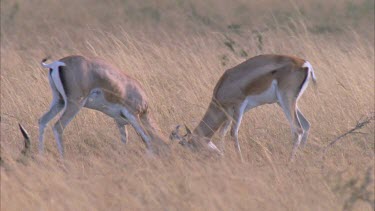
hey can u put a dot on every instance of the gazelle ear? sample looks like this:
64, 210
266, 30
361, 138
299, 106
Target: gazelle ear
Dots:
188, 131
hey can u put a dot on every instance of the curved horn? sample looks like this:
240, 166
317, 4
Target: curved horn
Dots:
26, 137
188, 131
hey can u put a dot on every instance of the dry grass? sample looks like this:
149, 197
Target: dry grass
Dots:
177, 50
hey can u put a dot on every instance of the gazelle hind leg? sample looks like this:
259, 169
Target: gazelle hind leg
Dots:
289, 106
47, 117
70, 111
305, 125
57, 105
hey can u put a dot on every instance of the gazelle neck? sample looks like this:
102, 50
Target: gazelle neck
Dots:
211, 121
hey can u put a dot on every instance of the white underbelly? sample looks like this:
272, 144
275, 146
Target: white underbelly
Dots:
266, 97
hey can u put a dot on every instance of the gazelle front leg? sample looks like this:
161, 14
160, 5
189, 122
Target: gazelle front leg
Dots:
123, 131
237, 118
223, 131
134, 121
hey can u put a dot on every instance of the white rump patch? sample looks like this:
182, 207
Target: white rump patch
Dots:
310, 72
56, 78
308, 65
310, 68
54, 65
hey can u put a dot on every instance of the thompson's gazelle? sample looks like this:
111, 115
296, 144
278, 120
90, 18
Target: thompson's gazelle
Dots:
78, 81
263, 79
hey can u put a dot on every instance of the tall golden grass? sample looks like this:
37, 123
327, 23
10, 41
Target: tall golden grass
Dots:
178, 50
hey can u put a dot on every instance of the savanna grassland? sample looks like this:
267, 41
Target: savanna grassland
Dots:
178, 50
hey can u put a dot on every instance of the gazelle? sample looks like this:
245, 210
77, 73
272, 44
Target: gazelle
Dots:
263, 79
78, 82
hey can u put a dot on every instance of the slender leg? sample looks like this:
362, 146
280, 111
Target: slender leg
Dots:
71, 110
55, 108
237, 118
305, 125
134, 121
123, 131
223, 131
289, 106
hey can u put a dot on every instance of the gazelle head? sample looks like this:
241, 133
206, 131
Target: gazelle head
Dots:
177, 136
191, 140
